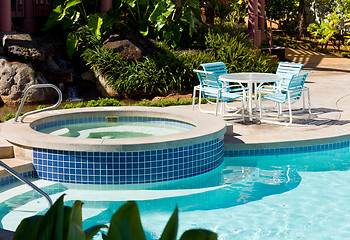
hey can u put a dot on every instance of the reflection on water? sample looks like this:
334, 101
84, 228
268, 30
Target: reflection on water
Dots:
236, 183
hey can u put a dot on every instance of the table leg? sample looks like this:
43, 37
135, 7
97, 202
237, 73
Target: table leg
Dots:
250, 100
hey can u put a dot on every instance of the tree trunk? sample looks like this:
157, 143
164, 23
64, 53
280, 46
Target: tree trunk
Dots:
302, 20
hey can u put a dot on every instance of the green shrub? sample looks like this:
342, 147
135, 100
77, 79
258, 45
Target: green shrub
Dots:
40, 107
237, 53
164, 102
102, 102
72, 105
9, 116
145, 103
65, 223
167, 70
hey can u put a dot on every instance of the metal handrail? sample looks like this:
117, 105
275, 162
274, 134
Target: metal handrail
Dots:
19, 177
39, 110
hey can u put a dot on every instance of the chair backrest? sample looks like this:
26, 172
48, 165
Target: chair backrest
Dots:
287, 70
296, 85
210, 83
218, 68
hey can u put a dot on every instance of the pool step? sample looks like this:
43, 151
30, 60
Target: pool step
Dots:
6, 149
18, 165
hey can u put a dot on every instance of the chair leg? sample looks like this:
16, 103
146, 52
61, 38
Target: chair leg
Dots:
290, 111
217, 105
279, 109
303, 100
200, 100
194, 97
309, 102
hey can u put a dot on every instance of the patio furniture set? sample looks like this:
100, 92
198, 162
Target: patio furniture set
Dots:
286, 86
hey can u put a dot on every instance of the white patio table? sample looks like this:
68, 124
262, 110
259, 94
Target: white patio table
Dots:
250, 78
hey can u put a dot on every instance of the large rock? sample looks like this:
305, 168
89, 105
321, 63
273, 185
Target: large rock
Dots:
25, 46
132, 46
16, 77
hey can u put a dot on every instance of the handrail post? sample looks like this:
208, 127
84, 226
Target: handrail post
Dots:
39, 110
19, 177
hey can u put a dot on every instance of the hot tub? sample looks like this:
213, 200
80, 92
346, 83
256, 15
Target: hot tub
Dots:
196, 149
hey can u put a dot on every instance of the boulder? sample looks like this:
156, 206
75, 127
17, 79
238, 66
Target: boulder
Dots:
25, 46
132, 46
16, 77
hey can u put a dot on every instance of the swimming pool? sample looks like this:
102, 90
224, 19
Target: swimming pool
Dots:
267, 194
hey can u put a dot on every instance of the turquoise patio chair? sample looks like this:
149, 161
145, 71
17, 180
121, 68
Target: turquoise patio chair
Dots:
219, 68
287, 92
287, 70
211, 89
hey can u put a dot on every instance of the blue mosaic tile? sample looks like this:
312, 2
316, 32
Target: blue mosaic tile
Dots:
11, 179
128, 167
276, 151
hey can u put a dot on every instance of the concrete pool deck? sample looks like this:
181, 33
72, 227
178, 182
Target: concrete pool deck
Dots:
330, 97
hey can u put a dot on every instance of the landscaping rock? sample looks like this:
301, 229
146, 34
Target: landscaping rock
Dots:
16, 77
25, 46
103, 88
132, 46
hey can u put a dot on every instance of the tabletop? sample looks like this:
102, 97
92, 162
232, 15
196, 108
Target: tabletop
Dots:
246, 77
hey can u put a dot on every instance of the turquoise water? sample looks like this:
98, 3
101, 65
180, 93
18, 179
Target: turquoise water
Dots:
113, 130
291, 196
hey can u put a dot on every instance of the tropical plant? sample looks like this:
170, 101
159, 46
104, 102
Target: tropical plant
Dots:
161, 19
237, 52
86, 27
9, 116
65, 223
326, 30
59, 223
167, 70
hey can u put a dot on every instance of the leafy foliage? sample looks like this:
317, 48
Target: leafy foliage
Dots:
87, 27
166, 70
59, 223
9, 116
334, 27
65, 223
237, 52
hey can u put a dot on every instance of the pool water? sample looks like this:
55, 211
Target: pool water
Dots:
113, 130
288, 196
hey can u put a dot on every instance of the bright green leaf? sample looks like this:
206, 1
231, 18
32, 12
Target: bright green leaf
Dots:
71, 44
170, 231
28, 228
158, 10
126, 223
72, 3
94, 23
51, 226
92, 231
